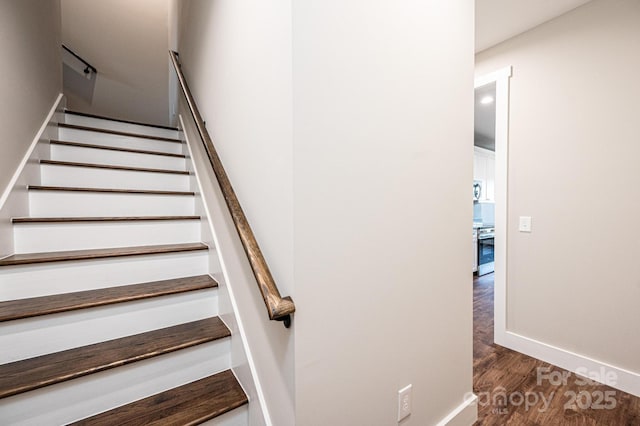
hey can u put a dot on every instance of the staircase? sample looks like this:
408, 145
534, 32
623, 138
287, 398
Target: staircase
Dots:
108, 308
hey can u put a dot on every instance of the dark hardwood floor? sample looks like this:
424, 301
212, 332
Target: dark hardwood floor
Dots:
515, 389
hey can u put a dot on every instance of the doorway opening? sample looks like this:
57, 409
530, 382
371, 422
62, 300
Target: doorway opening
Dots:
484, 160
492, 92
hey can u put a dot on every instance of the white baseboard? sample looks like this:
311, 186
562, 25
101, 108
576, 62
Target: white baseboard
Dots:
464, 414
625, 380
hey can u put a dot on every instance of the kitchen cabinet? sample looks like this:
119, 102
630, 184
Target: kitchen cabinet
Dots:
484, 170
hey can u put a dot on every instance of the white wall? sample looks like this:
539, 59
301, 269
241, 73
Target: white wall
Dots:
573, 151
348, 138
383, 143
237, 58
175, 11
127, 41
31, 72
30, 86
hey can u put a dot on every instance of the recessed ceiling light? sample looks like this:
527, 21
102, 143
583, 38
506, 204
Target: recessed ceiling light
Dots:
486, 100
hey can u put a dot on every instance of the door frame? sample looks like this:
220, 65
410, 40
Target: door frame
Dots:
501, 79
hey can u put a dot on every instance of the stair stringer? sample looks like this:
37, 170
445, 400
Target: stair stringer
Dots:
14, 200
216, 229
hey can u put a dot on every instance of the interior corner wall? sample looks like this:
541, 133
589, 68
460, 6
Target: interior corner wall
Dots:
383, 160
31, 71
573, 167
128, 42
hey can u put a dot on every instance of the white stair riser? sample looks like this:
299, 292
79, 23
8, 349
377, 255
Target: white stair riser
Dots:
120, 141
55, 175
78, 203
37, 238
83, 397
36, 336
121, 127
19, 282
237, 417
115, 158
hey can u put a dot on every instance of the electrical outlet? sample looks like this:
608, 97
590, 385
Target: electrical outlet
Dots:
404, 402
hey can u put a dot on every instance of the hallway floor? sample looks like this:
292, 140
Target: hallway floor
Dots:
515, 389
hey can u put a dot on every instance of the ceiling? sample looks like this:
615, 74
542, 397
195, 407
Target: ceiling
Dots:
499, 20
484, 131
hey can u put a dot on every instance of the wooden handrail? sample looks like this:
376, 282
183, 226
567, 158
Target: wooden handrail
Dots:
279, 308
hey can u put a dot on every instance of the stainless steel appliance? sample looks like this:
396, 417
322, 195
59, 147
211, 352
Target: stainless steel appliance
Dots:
486, 250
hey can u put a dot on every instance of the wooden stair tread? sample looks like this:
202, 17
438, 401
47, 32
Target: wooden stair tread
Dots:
115, 148
111, 190
57, 256
112, 167
33, 373
102, 117
190, 404
19, 220
44, 305
117, 132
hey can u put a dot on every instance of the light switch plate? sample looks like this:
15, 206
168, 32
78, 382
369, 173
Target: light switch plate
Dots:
525, 224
